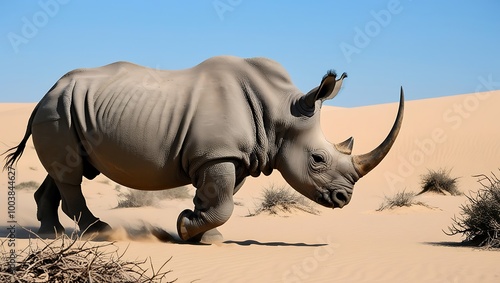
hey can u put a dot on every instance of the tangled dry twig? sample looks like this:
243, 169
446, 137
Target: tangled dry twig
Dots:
71, 259
479, 219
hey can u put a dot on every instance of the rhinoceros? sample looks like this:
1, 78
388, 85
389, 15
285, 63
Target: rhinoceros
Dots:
211, 125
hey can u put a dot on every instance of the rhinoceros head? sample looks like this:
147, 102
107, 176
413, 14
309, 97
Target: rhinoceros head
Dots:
325, 172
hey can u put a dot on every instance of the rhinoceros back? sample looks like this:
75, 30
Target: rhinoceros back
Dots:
153, 129
131, 128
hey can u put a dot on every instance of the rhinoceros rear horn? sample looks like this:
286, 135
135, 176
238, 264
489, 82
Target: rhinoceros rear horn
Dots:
345, 146
366, 162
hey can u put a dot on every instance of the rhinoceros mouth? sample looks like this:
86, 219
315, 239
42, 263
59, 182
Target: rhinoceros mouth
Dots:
333, 199
325, 200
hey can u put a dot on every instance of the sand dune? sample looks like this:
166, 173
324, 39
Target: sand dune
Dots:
355, 244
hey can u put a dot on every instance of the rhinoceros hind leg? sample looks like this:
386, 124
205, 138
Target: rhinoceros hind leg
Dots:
60, 152
47, 198
75, 206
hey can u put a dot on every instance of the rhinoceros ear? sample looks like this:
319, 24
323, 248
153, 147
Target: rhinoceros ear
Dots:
328, 89
336, 89
308, 101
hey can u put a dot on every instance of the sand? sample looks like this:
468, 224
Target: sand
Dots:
353, 244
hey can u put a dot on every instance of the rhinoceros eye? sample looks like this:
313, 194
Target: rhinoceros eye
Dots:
318, 158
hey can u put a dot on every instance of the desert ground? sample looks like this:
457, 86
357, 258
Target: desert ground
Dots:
354, 244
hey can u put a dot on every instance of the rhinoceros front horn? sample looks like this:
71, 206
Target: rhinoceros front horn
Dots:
366, 162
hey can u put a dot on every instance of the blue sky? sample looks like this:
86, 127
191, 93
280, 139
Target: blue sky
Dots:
431, 48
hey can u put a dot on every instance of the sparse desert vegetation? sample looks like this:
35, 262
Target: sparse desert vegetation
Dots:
136, 198
479, 219
105, 181
70, 259
439, 181
30, 185
400, 199
278, 199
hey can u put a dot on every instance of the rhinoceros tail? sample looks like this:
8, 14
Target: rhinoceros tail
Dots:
17, 151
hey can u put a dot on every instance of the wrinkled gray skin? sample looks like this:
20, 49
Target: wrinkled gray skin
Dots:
211, 126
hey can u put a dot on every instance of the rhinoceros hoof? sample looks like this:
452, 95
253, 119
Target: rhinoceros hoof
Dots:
97, 228
51, 231
209, 237
181, 225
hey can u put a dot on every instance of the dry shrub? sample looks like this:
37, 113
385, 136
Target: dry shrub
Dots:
27, 185
69, 259
400, 199
281, 199
479, 219
439, 182
136, 198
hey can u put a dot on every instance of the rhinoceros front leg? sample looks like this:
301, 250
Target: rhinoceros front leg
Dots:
213, 202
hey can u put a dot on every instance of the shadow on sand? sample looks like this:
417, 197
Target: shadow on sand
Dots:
26, 232
465, 244
137, 233
144, 232
272, 244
